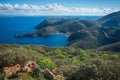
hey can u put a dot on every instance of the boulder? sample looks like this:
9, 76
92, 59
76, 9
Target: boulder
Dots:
51, 76
15, 70
12, 70
29, 66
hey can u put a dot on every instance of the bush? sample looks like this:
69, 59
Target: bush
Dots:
36, 73
83, 54
2, 76
46, 62
59, 53
76, 61
71, 62
104, 56
84, 72
92, 71
11, 55
23, 76
110, 56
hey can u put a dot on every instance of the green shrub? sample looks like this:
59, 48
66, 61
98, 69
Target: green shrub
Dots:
76, 61
24, 76
2, 76
84, 72
36, 73
59, 53
104, 56
95, 71
109, 56
93, 55
113, 56
46, 62
83, 54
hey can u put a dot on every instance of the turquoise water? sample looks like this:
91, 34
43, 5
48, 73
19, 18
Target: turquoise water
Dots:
12, 25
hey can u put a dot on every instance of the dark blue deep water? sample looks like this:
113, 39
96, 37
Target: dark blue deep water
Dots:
12, 25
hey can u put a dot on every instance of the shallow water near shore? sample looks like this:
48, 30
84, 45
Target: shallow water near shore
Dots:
12, 25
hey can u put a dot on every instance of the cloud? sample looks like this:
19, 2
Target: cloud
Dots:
50, 9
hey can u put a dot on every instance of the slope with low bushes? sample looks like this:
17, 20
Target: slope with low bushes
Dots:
72, 63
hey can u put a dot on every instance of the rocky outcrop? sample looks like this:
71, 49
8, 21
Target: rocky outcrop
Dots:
12, 70
15, 70
29, 66
51, 76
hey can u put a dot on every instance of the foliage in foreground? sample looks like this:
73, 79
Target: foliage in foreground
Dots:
71, 62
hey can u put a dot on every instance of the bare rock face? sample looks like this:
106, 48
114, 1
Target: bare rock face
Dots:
29, 66
51, 76
12, 70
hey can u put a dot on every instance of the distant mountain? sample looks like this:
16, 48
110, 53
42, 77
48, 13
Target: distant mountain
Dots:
103, 33
111, 20
66, 26
50, 22
106, 37
59, 25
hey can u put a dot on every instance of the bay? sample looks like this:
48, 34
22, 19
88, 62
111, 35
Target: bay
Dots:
12, 25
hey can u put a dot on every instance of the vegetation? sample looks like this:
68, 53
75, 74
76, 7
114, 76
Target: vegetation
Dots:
46, 62
72, 63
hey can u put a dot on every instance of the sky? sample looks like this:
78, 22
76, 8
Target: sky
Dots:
58, 7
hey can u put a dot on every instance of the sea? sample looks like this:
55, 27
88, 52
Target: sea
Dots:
12, 25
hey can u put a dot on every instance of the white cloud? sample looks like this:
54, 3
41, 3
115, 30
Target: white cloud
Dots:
50, 9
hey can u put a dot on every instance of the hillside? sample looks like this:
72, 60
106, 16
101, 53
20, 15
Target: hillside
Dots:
103, 38
97, 37
65, 26
111, 20
111, 47
85, 39
68, 63
59, 25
